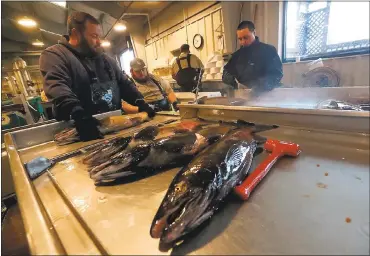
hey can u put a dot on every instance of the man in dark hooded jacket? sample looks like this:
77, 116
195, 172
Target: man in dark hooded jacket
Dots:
255, 65
82, 81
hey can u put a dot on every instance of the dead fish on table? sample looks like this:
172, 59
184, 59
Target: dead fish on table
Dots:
113, 146
184, 126
198, 188
66, 136
106, 150
152, 155
108, 125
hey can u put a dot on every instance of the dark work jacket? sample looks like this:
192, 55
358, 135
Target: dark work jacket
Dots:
257, 66
67, 83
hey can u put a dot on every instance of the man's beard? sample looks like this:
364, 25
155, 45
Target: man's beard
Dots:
87, 50
140, 80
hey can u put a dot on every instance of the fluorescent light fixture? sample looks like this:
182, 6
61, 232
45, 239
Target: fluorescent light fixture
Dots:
27, 22
60, 3
38, 43
120, 27
105, 44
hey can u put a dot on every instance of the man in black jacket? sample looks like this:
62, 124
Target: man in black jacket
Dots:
82, 81
255, 65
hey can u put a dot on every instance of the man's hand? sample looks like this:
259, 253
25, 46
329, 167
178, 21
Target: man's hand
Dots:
227, 78
129, 109
86, 126
144, 107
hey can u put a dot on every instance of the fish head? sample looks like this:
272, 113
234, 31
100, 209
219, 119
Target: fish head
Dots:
184, 206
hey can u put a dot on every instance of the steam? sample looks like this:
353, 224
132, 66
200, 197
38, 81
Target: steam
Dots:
295, 98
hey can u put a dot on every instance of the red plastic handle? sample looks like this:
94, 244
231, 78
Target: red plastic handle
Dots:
244, 190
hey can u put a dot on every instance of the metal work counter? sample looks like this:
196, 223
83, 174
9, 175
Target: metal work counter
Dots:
301, 207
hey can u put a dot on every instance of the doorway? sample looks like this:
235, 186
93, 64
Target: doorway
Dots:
125, 59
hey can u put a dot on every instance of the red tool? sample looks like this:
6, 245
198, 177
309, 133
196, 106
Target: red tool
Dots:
277, 149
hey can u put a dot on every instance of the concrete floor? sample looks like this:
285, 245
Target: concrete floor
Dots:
13, 235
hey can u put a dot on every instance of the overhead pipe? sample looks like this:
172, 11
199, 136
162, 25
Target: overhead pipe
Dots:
186, 26
168, 31
47, 31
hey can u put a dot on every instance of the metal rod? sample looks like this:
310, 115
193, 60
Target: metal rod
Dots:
205, 35
198, 83
213, 34
186, 27
43, 30
29, 117
150, 27
182, 22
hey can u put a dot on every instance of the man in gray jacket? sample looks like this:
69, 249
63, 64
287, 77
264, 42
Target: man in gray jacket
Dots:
82, 81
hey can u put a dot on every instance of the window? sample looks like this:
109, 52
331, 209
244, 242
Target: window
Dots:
325, 29
125, 59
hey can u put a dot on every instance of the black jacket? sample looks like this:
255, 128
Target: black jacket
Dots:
257, 66
67, 83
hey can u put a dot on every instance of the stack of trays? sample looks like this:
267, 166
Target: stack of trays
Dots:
214, 67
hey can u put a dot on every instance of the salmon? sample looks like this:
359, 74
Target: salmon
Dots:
199, 187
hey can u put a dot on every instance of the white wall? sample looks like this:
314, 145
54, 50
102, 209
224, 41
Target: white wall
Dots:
207, 17
352, 71
264, 15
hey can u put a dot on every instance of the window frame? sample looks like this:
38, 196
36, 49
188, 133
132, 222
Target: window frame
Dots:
337, 54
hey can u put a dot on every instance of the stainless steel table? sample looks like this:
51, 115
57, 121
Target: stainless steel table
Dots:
301, 207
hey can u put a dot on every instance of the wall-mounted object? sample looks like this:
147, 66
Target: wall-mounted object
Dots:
198, 41
321, 77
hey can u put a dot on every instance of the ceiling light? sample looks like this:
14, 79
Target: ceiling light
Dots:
105, 44
38, 43
120, 27
27, 22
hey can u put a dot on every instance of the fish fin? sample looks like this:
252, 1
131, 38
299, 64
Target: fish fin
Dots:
264, 127
243, 123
